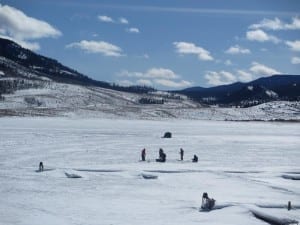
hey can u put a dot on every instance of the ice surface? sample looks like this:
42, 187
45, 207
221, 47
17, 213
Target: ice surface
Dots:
240, 165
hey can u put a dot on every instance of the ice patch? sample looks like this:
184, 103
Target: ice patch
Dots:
231, 171
149, 176
277, 206
98, 171
216, 207
250, 88
272, 219
72, 175
291, 177
44, 170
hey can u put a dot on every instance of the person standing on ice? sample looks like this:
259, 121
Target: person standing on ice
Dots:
181, 154
143, 154
41, 167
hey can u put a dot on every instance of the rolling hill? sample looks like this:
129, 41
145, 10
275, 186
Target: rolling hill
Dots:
34, 85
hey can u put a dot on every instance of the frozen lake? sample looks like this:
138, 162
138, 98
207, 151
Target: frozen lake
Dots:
241, 165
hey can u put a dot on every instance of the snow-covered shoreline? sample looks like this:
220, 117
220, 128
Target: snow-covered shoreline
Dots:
66, 100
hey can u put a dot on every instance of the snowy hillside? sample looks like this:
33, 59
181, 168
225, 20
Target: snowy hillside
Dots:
34, 85
58, 99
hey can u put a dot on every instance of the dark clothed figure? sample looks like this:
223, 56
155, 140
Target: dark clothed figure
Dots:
181, 154
195, 159
41, 166
162, 156
207, 203
143, 154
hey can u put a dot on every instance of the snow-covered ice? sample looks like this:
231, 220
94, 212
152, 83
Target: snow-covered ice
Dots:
241, 165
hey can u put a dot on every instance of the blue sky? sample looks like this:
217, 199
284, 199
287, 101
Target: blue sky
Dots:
171, 44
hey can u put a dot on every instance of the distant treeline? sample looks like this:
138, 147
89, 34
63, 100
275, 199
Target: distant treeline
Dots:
151, 101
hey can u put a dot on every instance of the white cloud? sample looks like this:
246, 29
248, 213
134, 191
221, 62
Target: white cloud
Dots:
161, 76
173, 84
125, 83
102, 47
123, 20
237, 50
294, 45
152, 73
263, 49
219, 78
108, 19
191, 48
295, 25
295, 60
262, 70
133, 30
126, 73
144, 82
224, 77
277, 24
105, 19
244, 76
34, 46
19, 27
261, 36
161, 73
228, 62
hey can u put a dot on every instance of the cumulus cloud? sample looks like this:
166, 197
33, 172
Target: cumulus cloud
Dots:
105, 19
161, 73
219, 78
234, 50
133, 30
262, 70
294, 45
172, 83
144, 82
191, 48
125, 83
261, 36
244, 76
152, 73
228, 62
277, 24
123, 20
108, 19
17, 26
160, 76
146, 56
255, 71
101, 47
295, 60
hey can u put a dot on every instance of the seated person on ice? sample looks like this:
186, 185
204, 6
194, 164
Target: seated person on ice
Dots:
195, 159
162, 156
207, 203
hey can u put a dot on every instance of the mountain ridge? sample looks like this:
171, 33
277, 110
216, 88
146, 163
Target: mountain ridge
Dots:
276, 87
23, 69
52, 69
